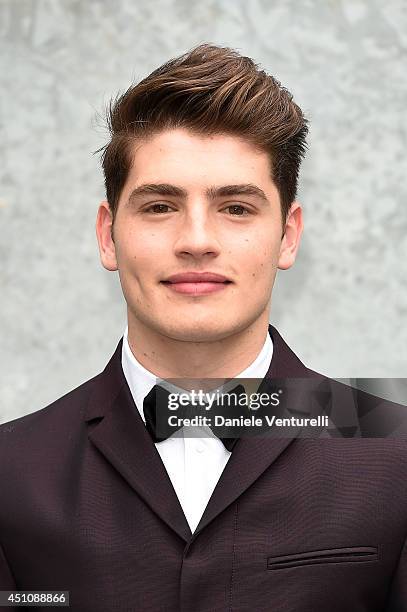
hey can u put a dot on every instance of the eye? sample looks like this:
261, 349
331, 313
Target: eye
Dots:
238, 210
157, 208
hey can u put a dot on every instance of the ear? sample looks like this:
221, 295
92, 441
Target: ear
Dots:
107, 251
291, 238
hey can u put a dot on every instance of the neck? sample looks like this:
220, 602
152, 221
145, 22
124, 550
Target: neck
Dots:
167, 357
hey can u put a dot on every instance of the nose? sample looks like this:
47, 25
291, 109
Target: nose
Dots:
197, 235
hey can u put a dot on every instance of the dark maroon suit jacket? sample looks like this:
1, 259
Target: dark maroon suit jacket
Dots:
302, 525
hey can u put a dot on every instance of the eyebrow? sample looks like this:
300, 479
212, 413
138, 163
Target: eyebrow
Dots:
212, 193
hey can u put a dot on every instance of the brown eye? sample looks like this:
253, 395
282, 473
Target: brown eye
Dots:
237, 210
157, 208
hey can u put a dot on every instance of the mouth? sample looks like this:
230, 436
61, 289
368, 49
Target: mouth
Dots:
197, 287
197, 283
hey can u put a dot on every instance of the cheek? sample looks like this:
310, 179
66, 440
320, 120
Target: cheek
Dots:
140, 251
261, 251
262, 267
262, 272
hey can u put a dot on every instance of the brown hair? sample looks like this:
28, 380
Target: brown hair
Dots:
208, 90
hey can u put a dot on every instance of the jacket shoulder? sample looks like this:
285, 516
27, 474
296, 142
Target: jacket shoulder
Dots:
56, 421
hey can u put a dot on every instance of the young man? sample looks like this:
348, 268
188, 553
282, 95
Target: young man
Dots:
201, 177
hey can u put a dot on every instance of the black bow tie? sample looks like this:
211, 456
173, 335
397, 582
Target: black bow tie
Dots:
158, 398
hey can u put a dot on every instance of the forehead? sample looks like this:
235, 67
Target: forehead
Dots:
181, 155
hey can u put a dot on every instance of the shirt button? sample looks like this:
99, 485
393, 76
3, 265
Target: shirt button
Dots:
200, 448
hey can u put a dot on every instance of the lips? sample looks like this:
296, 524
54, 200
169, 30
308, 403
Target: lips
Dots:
197, 283
197, 277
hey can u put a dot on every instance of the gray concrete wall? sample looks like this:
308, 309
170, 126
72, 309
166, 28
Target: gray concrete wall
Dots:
342, 307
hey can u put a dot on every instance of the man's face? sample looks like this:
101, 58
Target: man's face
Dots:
194, 204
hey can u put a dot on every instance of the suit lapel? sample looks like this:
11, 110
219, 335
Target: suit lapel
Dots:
117, 430
253, 455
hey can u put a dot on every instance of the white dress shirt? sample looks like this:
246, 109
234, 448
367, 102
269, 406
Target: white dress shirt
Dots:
194, 465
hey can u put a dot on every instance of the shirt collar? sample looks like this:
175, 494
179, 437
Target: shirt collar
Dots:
141, 381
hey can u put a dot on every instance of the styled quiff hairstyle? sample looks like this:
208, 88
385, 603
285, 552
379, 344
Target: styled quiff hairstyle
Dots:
209, 90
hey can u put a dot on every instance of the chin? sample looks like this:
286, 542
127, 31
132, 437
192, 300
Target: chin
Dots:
198, 331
